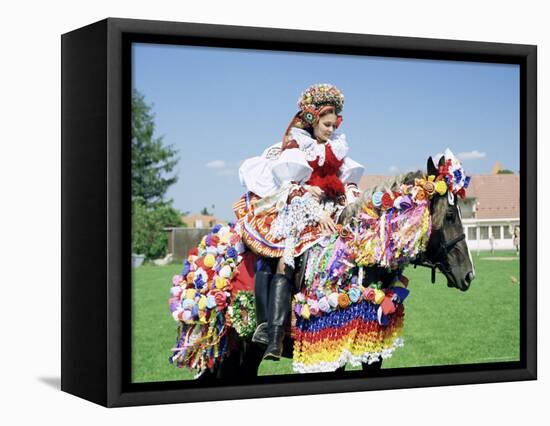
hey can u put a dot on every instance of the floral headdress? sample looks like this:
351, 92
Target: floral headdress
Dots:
318, 98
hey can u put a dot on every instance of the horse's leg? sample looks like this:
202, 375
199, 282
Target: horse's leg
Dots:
373, 367
229, 365
208, 375
251, 360
341, 369
241, 363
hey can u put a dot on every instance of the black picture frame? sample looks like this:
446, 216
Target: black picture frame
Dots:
96, 258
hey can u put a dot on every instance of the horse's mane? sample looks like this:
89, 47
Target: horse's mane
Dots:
392, 184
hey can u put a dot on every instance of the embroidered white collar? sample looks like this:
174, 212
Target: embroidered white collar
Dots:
314, 150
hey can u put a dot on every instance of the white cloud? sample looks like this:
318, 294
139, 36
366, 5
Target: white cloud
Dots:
393, 169
216, 164
471, 155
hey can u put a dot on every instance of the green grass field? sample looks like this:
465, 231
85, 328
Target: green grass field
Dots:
442, 326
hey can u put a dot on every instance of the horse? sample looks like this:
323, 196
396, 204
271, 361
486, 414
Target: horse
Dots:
446, 250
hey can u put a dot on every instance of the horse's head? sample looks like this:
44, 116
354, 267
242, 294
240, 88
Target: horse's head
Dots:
447, 248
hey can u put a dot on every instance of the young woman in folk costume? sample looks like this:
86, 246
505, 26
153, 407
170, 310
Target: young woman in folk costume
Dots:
296, 190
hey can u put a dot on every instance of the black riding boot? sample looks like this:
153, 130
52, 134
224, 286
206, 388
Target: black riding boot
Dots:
262, 281
279, 310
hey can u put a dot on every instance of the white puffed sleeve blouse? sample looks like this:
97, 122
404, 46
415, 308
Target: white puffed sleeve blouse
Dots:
265, 174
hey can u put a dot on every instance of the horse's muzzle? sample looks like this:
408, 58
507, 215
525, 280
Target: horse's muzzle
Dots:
462, 284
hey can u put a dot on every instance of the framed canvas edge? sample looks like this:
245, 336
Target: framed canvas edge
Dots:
528, 202
252, 391
117, 395
83, 198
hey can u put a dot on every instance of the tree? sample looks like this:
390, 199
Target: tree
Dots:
152, 161
207, 212
152, 165
148, 224
505, 172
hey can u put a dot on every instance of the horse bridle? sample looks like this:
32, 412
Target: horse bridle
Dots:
441, 258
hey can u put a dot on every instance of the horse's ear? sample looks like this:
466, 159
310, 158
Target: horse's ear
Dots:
432, 170
441, 161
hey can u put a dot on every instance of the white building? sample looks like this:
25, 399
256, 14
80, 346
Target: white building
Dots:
491, 211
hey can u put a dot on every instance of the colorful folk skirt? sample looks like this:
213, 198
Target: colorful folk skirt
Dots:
352, 335
255, 230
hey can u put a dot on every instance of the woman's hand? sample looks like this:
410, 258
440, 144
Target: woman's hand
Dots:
317, 192
327, 225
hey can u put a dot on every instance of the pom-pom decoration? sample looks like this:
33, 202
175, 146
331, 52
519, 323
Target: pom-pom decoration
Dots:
200, 297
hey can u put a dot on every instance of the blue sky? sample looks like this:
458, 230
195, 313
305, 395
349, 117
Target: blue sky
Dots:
220, 106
